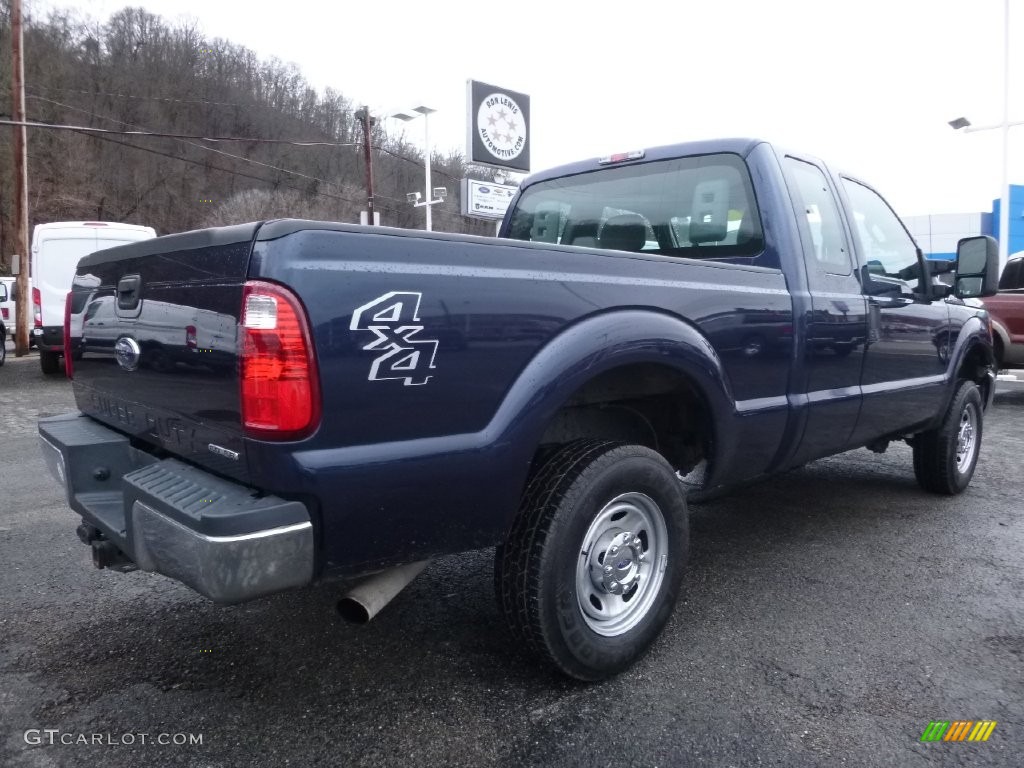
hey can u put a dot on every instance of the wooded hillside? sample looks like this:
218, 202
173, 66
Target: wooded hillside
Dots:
137, 71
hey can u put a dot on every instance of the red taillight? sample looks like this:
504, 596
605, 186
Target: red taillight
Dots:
280, 389
69, 363
621, 157
4, 313
37, 307
190, 336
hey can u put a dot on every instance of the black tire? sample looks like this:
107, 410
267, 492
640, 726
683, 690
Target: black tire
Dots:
3, 347
159, 361
942, 464
842, 349
49, 361
997, 351
538, 569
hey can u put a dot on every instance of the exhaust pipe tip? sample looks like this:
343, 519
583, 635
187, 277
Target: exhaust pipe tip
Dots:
366, 599
352, 611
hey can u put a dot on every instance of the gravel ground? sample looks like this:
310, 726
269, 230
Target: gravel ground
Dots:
829, 614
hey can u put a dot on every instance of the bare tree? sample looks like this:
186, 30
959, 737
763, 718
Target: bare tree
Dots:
136, 71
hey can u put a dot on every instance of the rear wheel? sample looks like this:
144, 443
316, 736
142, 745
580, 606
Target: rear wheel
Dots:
945, 458
3, 347
592, 567
49, 361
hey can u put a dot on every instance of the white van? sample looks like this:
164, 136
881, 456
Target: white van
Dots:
7, 315
9, 309
56, 250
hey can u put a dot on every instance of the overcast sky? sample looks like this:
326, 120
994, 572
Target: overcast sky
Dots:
868, 85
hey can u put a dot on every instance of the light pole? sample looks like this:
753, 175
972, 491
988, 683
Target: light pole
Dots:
964, 125
433, 196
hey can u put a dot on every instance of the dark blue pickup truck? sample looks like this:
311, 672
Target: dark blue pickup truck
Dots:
267, 405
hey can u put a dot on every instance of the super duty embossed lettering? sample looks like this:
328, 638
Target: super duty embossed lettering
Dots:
113, 409
172, 432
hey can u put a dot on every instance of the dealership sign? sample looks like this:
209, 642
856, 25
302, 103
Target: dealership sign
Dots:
483, 200
499, 127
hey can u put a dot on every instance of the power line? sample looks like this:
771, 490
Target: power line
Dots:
105, 133
231, 171
158, 134
166, 99
207, 165
193, 144
418, 163
161, 135
183, 138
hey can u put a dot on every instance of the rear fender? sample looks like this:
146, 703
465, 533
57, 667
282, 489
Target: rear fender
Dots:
461, 491
599, 344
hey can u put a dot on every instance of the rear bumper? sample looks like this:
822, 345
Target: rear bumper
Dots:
49, 338
222, 539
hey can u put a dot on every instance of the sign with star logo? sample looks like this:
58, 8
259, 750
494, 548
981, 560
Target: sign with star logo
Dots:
499, 127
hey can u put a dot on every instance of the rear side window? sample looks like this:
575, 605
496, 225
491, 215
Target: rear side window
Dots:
699, 207
824, 225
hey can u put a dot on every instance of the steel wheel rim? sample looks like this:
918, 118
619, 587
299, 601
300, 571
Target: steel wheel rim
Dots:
614, 601
966, 438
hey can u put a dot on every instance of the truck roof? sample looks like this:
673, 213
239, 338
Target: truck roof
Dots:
55, 226
739, 146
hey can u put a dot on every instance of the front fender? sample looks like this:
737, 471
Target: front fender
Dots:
973, 340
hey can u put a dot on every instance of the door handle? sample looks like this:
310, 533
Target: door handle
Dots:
890, 301
128, 292
874, 321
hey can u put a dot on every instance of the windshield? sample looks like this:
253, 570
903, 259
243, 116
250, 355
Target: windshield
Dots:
699, 207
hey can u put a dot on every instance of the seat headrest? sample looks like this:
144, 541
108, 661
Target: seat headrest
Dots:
625, 232
583, 233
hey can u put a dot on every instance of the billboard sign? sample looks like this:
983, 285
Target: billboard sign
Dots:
499, 127
483, 200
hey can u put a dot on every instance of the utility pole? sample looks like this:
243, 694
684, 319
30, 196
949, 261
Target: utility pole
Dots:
20, 238
363, 116
1004, 190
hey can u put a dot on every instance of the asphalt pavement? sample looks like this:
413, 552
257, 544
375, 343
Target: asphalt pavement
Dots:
829, 615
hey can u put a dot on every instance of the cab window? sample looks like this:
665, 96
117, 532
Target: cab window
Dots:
1013, 275
824, 225
699, 207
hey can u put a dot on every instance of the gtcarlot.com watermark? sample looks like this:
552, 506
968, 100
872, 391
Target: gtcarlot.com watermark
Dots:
36, 737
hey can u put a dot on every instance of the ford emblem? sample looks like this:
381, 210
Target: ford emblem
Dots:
485, 190
127, 352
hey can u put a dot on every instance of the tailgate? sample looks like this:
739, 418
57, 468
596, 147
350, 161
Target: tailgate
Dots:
153, 330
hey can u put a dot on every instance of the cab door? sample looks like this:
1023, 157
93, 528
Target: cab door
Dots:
835, 319
904, 375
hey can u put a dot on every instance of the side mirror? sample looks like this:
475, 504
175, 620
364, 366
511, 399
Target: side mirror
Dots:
977, 267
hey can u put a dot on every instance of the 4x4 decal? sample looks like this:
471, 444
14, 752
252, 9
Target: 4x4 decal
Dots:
394, 320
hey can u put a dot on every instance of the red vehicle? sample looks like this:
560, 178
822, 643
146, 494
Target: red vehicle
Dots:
1007, 310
